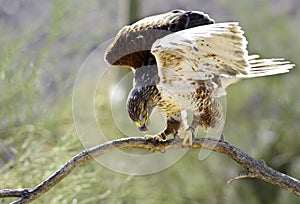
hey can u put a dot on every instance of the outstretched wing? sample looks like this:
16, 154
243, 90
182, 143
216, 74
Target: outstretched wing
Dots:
133, 43
219, 49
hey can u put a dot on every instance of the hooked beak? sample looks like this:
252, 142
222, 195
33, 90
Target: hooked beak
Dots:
143, 128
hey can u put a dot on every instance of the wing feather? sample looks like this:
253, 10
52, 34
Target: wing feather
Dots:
219, 48
132, 44
266, 67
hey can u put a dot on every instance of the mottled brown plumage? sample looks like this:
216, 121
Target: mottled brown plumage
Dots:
182, 61
211, 110
197, 64
132, 44
132, 47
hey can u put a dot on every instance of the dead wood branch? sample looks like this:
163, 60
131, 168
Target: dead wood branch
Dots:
255, 169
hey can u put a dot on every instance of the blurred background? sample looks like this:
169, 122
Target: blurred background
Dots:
42, 47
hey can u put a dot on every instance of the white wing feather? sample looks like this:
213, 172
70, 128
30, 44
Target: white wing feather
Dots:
219, 48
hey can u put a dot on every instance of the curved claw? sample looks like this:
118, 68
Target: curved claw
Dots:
222, 138
158, 138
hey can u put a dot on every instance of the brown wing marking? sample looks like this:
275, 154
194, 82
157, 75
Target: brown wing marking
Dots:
132, 44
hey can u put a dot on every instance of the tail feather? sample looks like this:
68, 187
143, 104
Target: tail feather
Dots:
266, 67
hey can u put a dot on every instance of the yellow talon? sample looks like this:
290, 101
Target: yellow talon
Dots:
156, 137
187, 135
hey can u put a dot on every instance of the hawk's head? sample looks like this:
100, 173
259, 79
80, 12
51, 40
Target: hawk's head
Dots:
140, 104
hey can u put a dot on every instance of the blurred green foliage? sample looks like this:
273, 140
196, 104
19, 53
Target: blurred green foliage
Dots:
38, 65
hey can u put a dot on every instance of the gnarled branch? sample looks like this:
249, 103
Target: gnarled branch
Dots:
255, 168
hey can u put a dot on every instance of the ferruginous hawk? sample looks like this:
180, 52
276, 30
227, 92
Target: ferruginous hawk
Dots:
185, 68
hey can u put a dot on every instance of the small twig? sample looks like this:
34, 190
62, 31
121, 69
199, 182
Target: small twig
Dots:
255, 168
242, 176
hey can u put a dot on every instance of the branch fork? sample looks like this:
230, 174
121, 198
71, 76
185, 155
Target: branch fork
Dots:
255, 168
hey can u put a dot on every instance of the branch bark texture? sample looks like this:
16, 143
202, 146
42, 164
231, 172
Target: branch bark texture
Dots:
255, 169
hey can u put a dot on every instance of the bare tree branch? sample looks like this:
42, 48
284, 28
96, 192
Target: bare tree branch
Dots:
255, 168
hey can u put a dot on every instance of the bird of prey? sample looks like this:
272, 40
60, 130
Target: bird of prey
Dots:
185, 68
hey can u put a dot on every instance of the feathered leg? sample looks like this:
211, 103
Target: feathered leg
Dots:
174, 123
188, 134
